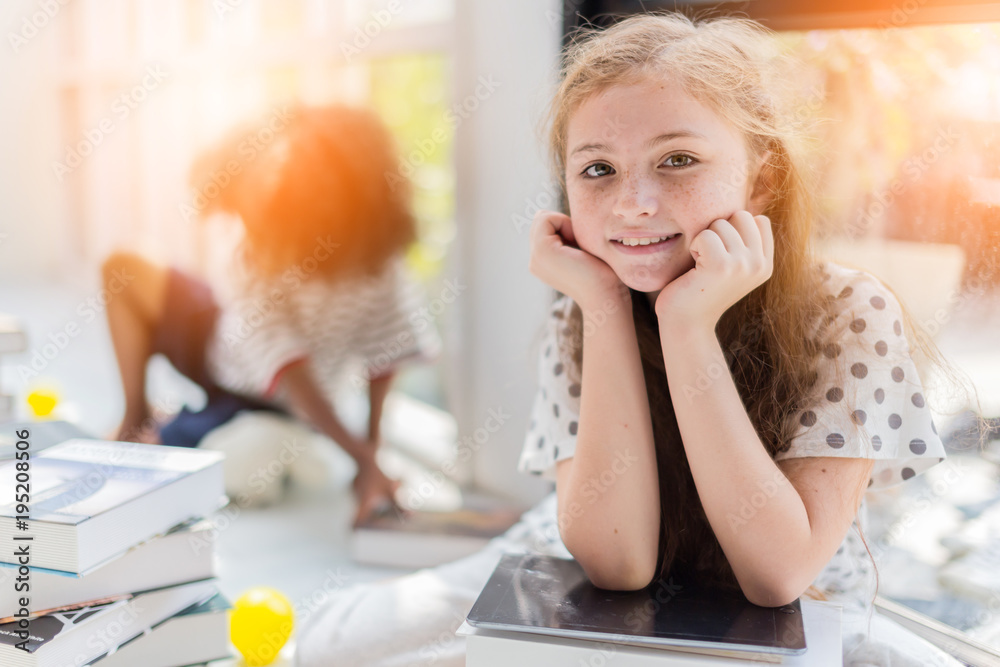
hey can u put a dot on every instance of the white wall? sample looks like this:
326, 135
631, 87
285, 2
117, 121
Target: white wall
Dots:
33, 243
502, 174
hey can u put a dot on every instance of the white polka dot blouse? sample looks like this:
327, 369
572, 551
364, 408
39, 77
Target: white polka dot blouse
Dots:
867, 402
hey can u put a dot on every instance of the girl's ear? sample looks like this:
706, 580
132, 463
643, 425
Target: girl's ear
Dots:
763, 188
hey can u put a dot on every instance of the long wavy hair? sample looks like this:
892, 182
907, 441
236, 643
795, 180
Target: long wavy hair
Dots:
770, 337
323, 173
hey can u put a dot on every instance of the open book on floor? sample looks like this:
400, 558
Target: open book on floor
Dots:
424, 539
531, 596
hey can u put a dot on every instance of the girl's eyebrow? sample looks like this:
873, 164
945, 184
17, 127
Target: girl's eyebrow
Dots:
663, 138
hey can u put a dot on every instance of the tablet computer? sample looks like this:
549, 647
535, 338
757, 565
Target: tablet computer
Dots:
553, 596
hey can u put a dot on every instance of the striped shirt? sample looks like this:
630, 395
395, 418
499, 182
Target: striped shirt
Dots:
354, 329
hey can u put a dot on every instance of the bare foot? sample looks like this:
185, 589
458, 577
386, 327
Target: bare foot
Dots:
146, 431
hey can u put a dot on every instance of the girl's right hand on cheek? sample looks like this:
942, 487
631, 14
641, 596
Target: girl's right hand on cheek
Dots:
561, 264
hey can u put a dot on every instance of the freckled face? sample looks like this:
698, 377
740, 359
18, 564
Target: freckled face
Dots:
648, 161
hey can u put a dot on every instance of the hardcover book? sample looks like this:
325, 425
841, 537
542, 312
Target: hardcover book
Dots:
183, 555
196, 635
77, 636
91, 500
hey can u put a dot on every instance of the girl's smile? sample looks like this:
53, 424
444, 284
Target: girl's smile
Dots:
640, 244
648, 168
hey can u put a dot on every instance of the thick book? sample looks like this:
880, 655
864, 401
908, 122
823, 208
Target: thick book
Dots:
488, 648
196, 635
417, 539
544, 595
92, 500
182, 555
77, 636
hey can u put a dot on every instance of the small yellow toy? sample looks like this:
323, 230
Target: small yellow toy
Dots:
259, 625
42, 402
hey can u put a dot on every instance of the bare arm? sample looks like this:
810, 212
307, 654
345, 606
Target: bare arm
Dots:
308, 401
377, 391
608, 493
794, 531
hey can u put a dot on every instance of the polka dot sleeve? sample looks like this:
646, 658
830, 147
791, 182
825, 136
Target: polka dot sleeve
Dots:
551, 435
868, 401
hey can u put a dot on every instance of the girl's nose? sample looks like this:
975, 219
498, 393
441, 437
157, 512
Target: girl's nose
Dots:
637, 196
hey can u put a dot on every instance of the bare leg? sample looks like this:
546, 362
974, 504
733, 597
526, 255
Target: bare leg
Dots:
137, 291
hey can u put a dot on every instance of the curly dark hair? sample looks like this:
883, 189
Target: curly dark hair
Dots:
328, 172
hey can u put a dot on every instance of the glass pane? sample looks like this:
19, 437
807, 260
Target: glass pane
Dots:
410, 93
908, 150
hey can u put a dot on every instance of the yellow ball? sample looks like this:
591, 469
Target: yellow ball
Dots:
259, 625
43, 401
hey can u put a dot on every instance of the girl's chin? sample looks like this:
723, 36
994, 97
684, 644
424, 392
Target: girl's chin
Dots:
645, 282
652, 277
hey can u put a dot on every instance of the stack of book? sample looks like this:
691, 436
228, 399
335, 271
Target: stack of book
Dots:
541, 611
105, 556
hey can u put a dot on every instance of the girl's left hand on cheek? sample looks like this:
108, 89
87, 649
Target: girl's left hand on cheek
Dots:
732, 257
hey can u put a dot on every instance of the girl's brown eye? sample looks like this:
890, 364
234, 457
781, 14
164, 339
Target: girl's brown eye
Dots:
597, 170
680, 160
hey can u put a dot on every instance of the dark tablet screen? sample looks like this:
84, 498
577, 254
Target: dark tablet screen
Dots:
553, 596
